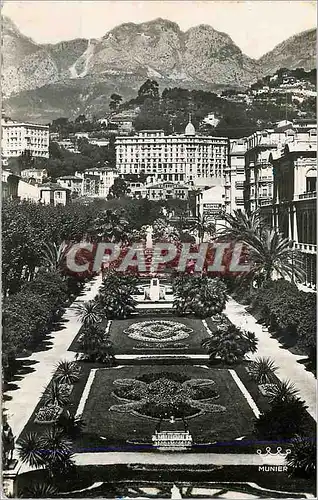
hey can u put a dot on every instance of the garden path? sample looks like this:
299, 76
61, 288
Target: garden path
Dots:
287, 363
177, 458
25, 398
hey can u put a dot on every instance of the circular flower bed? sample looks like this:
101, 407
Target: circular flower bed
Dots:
158, 331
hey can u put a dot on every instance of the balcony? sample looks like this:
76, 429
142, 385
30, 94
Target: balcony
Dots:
308, 195
265, 178
267, 201
306, 247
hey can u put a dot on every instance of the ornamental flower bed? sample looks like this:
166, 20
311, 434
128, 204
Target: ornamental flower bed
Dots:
48, 414
158, 332
163, 395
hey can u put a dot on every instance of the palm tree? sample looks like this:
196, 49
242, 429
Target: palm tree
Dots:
67, 372
88, 312
201, 296
262, 370
53, 255
271, 255
203, 225
55, 395
230, 344
96, 346
241, 227
302, 458
282, 391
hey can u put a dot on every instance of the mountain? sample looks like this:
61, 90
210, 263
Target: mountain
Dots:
43, 81
298, 51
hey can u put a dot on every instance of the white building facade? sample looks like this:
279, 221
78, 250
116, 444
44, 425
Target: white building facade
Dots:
178, 157
235, 176
18, 137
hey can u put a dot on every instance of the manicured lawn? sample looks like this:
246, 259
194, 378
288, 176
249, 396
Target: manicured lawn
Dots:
120, 429
123, 344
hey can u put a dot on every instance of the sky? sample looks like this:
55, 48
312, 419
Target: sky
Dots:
256, 26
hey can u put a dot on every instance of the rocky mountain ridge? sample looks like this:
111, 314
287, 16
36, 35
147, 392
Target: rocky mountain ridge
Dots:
50, 77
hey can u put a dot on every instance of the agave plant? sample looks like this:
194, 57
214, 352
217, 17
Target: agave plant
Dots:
302, 458
39, 490
262, 370
55, 395
88, 312
282, 391
58, 451
67, 372
30, 450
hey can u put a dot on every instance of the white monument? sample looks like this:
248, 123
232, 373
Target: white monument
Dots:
149, 232
154, 290
175, 492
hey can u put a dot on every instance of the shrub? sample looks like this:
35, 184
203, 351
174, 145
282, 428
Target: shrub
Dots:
48, 413
283, 420
302, 458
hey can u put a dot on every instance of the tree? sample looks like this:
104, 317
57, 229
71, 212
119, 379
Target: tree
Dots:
149, 89
230, 344
201, 296
95, 345
54, 395
115, 100
118, 189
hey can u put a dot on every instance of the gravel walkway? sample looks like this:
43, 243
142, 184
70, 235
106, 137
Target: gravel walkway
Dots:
287, 363
30, 387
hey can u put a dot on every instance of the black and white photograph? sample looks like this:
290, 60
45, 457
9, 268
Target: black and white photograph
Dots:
159, 280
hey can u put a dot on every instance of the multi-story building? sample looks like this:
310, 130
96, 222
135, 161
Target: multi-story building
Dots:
36, 174
258, 187
167, 190
96, 182
235, 176
72, 182
18, 137
54, 194
293, 209
177, 157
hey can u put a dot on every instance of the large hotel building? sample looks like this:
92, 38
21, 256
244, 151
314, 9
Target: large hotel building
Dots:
186, 158
17, 137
